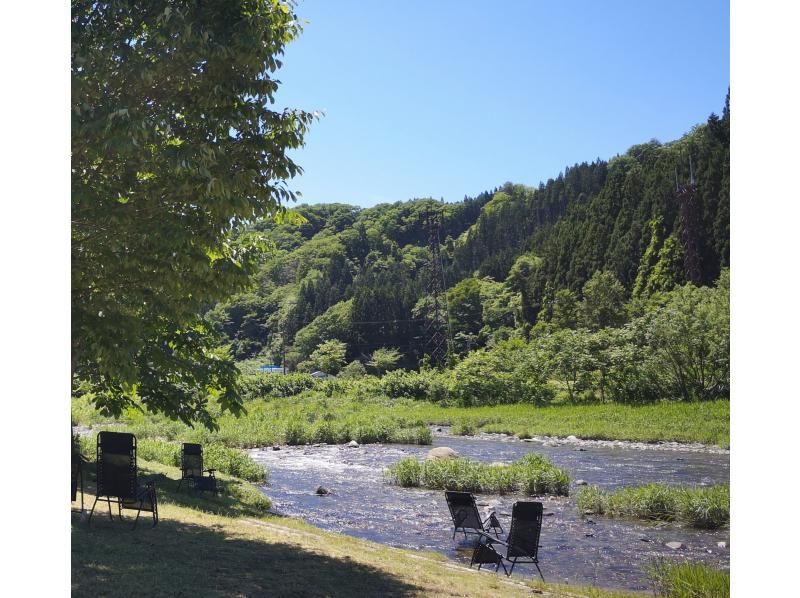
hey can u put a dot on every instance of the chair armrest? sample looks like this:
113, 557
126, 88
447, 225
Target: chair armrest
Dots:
211, 471
492, 539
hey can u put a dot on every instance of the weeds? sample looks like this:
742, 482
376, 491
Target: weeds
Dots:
689, 580
532, 475
707, 508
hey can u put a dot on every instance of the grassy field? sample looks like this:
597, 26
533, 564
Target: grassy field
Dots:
314, 417
228, 546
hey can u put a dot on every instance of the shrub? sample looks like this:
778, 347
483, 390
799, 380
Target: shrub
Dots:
256, 386
412, 385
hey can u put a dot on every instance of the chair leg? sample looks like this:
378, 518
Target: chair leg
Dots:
110, 512
540, 571
510, 571
179, 483
139, 512
96, 498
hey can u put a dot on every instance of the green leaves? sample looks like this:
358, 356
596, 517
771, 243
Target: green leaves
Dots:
159, 184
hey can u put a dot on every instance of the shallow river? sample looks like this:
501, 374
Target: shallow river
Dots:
574, 549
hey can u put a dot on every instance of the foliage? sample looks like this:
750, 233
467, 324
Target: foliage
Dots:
701, 507
532, 475
519, 263
174, 149
384, 360
603, 302
354, 369
329, 357
688, 580
276, 385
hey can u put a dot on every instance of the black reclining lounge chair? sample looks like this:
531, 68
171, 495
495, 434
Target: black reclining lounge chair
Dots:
77, 461
522, 544
465, 515
192, 468
117, 477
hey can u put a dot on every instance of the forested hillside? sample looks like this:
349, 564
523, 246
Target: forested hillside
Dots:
349, 281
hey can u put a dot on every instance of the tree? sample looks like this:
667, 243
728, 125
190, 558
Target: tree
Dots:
603, 301
384, 360
174, 151
329, 357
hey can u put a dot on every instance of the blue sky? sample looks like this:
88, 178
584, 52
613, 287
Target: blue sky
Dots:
447, 98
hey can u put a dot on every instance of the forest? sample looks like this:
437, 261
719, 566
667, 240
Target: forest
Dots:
608, 282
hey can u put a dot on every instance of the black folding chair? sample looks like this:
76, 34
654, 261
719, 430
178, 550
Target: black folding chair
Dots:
117, 477
77, 476
192, 469
465, 515
522, 544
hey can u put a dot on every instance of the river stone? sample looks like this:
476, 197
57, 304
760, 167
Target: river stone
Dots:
572, 438
675, 545
581, 483
276, 448
722, 544
441, 452
352, 444
322, 491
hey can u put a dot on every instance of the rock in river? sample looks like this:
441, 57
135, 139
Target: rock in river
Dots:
322, 490
581, 483
441, 452
352, 444
675, 545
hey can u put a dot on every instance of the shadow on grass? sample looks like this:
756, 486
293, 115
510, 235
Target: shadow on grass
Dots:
179, 558
184, 559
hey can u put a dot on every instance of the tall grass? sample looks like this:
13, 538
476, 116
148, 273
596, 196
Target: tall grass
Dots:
707, 508
689, 580
532, 475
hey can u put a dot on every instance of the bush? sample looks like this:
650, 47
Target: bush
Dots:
411, 385
257, 386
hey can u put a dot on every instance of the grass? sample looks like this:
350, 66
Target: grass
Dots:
700, 507
228, 546
315, 417
532, 475
689, 580
215, 456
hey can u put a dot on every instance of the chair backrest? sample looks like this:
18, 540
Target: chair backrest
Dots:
192, 460
116, 464
463, 510
526, 527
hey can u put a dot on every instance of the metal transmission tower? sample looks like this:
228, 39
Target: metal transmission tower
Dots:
437, 325
689, 227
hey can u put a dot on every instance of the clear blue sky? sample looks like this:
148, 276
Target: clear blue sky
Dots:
446, 98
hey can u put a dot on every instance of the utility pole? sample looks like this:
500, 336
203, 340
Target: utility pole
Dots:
689, 227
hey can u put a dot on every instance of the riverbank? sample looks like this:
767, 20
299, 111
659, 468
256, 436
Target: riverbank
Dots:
313, 417
229, 546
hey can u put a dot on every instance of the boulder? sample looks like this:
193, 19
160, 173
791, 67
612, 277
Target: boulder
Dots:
441, 452
581, 483
572, 438
722, 544
322, 491
675, 545
276, 448
352, 444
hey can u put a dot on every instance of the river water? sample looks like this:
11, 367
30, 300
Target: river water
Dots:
574, 549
